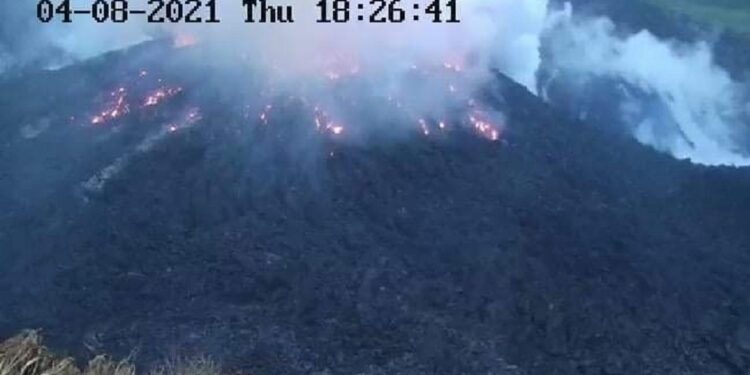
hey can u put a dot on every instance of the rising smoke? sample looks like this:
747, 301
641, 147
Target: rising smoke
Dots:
425, 70
677, 99
25, 41
501, 33
673, 96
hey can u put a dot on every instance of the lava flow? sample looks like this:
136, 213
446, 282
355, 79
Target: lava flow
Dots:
161, 94
116, 107
119, 101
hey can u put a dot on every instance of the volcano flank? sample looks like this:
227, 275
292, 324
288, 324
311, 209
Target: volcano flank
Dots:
191, 222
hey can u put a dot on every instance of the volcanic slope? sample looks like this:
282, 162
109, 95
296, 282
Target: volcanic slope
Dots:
189, 228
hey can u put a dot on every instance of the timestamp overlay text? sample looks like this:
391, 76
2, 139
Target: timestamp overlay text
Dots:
252, 11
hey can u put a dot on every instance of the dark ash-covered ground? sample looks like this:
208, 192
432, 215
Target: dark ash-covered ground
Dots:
560, 250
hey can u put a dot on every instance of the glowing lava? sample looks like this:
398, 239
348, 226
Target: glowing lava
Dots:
115, 109
324, 123
265, 113
161, 94
484, 127
184, 40
423, 126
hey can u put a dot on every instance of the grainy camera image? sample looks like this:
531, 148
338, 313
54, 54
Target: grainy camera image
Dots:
540, 187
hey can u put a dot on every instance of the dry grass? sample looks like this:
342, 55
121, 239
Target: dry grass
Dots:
25, 355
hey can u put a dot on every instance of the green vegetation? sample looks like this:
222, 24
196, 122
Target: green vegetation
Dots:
25, 355
730, 14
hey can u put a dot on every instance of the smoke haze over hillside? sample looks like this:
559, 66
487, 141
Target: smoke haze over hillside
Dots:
694, 110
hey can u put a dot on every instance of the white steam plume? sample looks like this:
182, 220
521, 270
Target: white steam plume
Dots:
699, 96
